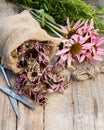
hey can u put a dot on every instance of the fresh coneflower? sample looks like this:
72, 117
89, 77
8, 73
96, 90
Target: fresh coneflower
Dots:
83, 44
88, 28
69, 31
81, 48
96, 50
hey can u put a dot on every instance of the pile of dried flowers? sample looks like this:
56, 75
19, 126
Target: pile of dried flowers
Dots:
38, 77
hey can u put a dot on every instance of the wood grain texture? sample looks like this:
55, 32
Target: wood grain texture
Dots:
7, 115
59, 112
95, 2
81, 107
30, 119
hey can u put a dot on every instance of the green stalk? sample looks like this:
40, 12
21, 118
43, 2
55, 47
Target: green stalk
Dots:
39, 20
55, 32
52, 26
48, 23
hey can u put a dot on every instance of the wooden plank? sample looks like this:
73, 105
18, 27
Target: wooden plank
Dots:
95, 2
30, 119
83, 117
7, 115
80, 108
59, 112
98, 89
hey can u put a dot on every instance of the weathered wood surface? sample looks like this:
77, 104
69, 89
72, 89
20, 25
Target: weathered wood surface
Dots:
80, 108
95, 2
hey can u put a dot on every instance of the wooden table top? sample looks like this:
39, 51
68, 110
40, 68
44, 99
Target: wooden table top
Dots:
81, 107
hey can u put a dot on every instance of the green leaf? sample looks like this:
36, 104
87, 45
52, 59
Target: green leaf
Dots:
43, 20
48, 17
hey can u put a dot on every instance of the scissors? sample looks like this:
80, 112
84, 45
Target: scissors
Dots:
13, 97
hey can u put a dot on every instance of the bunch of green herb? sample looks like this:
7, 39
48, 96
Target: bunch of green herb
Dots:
61, 9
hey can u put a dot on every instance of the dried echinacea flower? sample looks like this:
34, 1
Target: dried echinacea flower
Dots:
53, 79
32, 58
33, 70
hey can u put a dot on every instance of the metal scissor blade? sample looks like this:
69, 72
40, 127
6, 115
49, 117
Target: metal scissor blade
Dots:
14, 105
16, 96
5, 76
22, 100
12, 100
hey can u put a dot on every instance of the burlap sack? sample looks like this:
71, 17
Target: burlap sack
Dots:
15, 30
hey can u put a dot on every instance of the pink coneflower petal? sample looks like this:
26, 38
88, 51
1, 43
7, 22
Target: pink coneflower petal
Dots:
93, 50
80, 39
81, 23
78, 57
69, 60
63, 51
64, 29
100, 53
101, 49
83, 51
79, 31
88, 55
99, 41
71, 41
88, 45
68, 45
91, 26
94, 33
77, 25
61, 89
85, 25
83, 39
68, 24
82, 58
64, 57
75, 37
97, 58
